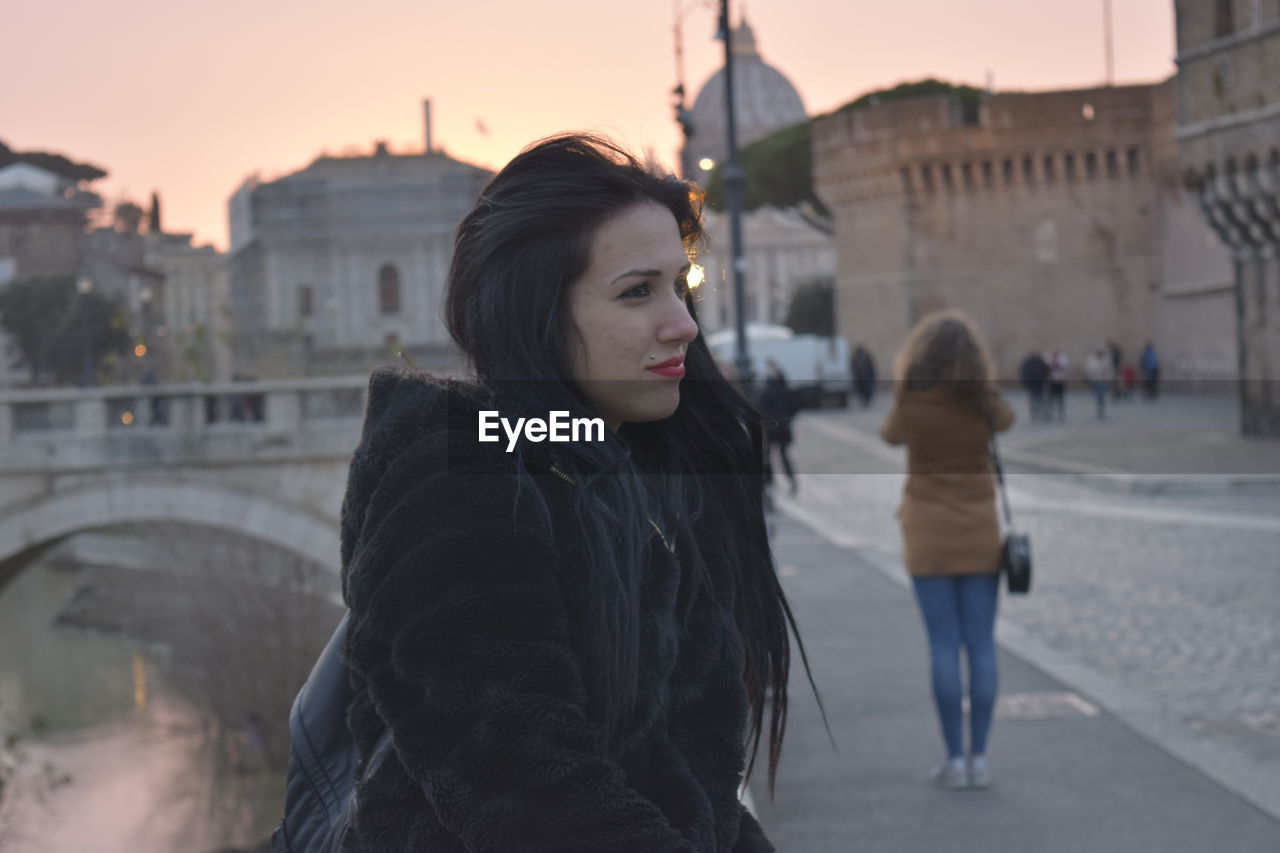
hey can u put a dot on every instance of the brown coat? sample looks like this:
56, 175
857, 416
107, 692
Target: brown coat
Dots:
948, 512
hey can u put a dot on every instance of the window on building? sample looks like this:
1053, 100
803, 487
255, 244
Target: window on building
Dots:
966, 175
389, 289
305, 306
1224, 18
1134, 160
19, 241
946, 176
1048, 169
988, 174
905, 175
1091, 165
1028, 170
1069, 167
926, 177
1007, 168
1113, 164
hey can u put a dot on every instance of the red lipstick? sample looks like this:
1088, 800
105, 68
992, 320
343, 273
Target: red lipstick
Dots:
672, 367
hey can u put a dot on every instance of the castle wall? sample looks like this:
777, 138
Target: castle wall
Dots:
1040, 215
1229, 144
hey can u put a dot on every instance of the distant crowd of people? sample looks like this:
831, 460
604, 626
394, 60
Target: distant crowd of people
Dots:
1044, 377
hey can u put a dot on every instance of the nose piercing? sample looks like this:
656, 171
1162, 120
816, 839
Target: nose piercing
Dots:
653, 358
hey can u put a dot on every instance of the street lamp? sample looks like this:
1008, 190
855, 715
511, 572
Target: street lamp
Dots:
683, 116
733, 174
145, 294
84, 286
733, 182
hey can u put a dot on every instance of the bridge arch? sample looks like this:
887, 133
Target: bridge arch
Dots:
33, 524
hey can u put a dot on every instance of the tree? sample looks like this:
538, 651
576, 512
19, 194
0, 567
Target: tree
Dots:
53, 325
153, 215
128, 217
778, 169
813, 308
55, 163
970, 97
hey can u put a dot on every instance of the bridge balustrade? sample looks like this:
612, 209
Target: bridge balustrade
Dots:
155, 422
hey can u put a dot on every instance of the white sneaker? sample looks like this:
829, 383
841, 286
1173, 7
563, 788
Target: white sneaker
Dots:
979, 772
951, 774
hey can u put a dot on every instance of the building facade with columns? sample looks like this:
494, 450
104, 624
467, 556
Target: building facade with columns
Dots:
336, 267
783, 250
1228, 134
1047, 217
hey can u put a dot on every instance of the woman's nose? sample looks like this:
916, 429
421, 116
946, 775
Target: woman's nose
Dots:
678, 324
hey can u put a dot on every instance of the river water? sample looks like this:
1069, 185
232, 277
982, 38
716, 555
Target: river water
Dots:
99, 750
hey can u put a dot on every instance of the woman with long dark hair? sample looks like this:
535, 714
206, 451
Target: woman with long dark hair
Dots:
945, 409
574, 644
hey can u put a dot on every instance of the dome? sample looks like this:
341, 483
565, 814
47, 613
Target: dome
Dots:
764, 98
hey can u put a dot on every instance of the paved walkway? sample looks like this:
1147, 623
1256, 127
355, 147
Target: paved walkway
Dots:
1181, 441
1070, 775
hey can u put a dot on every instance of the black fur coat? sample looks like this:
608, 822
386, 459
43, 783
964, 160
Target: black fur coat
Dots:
465, 638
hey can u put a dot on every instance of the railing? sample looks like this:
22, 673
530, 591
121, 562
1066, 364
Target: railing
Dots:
49, 418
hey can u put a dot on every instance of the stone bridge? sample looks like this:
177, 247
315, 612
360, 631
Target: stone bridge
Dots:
266, 460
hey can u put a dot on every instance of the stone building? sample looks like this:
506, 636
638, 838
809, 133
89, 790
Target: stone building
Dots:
115, 262
764, 101
783, 249
1045, 216
1228, 114
195, 324
42, 221
339, 265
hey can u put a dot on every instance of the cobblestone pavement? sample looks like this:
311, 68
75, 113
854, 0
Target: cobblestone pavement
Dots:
1175, 597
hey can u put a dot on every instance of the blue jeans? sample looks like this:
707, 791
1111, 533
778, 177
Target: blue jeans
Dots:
961, 610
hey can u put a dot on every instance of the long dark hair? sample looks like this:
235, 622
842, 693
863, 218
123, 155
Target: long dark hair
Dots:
517, 254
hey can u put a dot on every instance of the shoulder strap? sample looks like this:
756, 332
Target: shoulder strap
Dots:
994, 453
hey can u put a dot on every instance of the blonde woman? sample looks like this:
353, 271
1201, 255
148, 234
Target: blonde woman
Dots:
945, 408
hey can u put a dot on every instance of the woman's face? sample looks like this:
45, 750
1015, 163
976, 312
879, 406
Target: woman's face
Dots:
632, 322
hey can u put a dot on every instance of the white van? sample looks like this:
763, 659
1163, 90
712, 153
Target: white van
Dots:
817, 368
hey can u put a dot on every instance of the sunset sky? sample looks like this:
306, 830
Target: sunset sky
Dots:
188, 99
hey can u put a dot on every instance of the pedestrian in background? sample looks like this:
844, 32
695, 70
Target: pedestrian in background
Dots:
779, 405
1100, 373
945, 408
1117, 359
1128, 380
1057, 361
1034, 373
863, 367
1150, 371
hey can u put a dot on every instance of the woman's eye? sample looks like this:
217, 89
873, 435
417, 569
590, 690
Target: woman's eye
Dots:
638, 292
